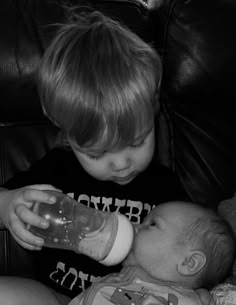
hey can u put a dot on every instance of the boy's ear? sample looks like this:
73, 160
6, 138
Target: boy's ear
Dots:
192, 263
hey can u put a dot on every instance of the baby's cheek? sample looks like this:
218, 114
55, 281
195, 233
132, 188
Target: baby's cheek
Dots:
130, 260
140, 245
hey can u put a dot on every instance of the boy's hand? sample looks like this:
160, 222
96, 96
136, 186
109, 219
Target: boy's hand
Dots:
15, 213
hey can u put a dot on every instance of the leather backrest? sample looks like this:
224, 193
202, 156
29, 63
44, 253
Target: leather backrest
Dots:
197, 41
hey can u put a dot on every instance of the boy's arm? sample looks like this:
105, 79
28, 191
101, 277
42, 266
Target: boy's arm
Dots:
19, 193
2, 226
15, 213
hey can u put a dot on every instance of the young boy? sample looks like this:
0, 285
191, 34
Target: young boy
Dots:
99, 83
178, 249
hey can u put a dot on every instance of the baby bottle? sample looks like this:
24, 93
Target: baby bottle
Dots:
105, 237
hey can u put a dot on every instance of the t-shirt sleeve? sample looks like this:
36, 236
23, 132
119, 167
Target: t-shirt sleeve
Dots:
44, 171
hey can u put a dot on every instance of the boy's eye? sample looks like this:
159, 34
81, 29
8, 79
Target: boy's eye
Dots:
94, 157
139, 144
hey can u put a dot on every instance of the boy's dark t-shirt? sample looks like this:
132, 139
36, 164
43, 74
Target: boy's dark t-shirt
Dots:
64, 270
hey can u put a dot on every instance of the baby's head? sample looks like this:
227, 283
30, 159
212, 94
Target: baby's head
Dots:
184, 243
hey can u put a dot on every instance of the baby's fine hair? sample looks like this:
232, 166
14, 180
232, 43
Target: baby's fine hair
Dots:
213, 236
99, 82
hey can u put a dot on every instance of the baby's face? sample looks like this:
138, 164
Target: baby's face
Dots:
158, 245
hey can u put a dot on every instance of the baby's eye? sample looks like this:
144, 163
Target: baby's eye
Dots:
153, 223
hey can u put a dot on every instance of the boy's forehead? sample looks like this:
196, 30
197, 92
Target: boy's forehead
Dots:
112, 142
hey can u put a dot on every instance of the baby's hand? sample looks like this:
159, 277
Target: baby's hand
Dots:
15, 213
150, 299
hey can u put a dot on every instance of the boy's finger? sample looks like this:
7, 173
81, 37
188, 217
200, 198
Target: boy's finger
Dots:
43, 187
26, 245
24, 236
30, 195
30, 217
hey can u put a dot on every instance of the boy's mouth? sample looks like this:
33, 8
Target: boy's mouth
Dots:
125, 179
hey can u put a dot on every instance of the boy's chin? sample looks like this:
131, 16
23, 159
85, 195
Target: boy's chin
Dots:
130, 260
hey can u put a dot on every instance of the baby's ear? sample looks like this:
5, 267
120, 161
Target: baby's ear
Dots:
192, 263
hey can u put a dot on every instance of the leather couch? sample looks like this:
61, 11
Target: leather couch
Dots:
196, 39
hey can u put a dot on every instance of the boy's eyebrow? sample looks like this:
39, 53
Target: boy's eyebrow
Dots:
89, 150
96, 151
144, 134
86, 150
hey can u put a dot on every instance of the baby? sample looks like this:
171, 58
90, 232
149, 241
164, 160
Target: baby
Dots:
180, 249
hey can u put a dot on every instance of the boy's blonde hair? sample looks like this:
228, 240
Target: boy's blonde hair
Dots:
99, 82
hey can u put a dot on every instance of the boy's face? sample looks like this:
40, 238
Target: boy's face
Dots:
121, 166
158, 246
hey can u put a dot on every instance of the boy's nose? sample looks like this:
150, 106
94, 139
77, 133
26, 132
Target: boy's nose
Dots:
120, 163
